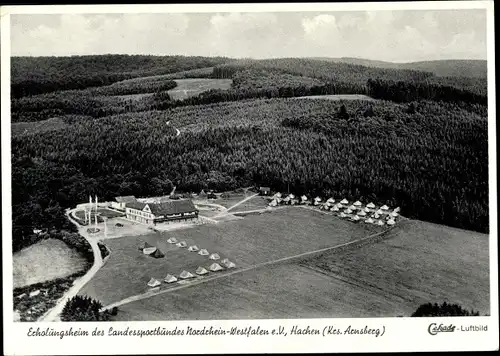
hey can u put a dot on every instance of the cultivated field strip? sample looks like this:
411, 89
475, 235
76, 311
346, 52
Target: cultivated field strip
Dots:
342, 247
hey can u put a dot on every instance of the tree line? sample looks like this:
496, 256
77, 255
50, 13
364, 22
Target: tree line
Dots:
406, 91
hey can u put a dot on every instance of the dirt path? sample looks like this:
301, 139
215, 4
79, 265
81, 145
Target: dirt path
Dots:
375, 237
53, 314
226, 212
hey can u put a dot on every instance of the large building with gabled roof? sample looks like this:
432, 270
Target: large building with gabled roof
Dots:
153, 213
121, 202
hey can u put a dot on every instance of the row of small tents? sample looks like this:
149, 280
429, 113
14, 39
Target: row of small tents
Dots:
330, 204
214, 267
153, 251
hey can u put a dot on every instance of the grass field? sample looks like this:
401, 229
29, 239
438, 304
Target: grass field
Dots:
22, 128
338, 97
44, 261
191, 87
249, 241
418, 263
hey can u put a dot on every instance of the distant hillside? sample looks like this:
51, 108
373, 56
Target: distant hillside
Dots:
444, 68
37, 75
451, 68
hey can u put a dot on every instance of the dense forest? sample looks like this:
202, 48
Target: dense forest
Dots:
432, 159
442, 68
406, 91
37, 75
354, 75
422, 146
280, 78
95, 102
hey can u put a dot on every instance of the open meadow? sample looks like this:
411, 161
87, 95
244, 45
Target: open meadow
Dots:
389, 278
46, 260
187, 88
246, 242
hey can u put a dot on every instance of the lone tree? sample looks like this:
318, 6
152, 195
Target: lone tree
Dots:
368, 112
343, 114
81, 308
445, 309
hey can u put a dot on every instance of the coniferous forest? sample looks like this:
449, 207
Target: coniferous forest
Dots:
422, 145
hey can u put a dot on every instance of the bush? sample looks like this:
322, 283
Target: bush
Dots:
445, 309
83, 308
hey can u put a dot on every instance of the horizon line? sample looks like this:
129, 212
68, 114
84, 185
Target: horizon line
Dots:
251, 58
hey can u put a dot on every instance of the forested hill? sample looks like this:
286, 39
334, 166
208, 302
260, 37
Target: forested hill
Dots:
444, 68
37, 75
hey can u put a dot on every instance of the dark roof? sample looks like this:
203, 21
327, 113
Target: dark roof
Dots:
126, 199
166, 208
158, 254
266, 189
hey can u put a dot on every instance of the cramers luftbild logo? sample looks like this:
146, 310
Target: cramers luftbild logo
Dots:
435, 329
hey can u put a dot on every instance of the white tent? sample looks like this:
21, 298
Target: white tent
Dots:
203, 252
291, 196
170, 279
366, 209
352, 207
153, 283
201, 271
330, 200
182, 244
380, 222
229, 264
344, 201
370, 205
149, 250
397, 209
277, 195
384, 207
193, 248
303, 198
357, 203
273, 203
214, 256
172, 240
390, 222
286, 199
369, 221
376, 215
380, 212
394, 214
186, 275
362, 213
214, 267
348, 211
335, 208
225, 260
355, 218
342, 215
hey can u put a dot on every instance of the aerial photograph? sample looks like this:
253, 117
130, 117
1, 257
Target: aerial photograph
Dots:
249, 165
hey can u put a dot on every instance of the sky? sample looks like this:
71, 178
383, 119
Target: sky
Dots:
396, 36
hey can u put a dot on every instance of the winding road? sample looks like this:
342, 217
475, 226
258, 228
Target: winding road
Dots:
54, 313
